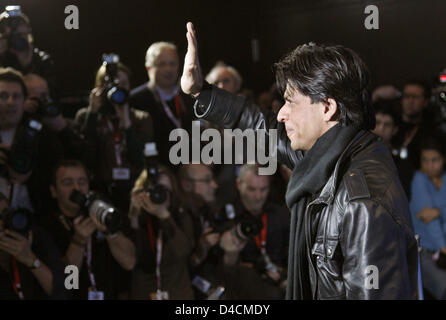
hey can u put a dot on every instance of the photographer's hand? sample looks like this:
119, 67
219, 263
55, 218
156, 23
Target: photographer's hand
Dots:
157, 210
18, 246
83, 229
123, 113
24, 57
428, 214
210, 238
192, 78
95, 100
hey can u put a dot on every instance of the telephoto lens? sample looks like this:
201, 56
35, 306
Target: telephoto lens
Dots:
103, 212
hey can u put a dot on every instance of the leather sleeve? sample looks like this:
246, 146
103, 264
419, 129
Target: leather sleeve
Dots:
235, 111
375, 246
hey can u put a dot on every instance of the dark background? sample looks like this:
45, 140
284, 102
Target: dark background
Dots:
411, 41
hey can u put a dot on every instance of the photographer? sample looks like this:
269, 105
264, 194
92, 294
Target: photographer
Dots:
214, 261
161, 96
164, 240
428, 211
115, 132
28, 148
30, 264
17, 47
267, 252
100, 254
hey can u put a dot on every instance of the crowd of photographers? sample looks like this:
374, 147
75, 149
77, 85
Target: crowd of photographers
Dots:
92, 208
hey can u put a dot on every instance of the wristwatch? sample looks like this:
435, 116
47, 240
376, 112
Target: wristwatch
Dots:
35, 265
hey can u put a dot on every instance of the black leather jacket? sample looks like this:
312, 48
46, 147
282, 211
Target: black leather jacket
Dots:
364, 214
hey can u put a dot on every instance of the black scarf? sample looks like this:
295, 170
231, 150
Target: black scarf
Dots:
309, 177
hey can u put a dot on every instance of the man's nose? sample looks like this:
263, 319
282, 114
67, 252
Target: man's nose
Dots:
10, 100
282, 115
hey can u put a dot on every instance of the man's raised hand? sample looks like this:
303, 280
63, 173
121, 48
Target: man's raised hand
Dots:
192, 78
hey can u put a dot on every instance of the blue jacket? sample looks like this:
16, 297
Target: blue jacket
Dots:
424, 194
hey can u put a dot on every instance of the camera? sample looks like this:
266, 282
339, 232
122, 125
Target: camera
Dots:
18, 220
23, 151
158, 193
112, 91
247, 228
243, 228
47, 107
16, 40
105, 213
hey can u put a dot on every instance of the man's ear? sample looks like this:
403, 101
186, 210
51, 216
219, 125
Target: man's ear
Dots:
394, 131
330, 110
238, 183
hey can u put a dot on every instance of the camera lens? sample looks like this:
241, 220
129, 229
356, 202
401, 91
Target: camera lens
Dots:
117, 95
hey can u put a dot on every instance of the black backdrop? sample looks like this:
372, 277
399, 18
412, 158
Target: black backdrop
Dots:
411, 41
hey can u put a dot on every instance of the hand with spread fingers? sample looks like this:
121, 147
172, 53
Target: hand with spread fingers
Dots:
192, 78
142, 200
17, 246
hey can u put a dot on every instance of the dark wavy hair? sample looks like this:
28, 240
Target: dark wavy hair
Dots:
322, 72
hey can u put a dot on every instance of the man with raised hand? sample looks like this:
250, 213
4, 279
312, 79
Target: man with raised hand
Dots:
351, 236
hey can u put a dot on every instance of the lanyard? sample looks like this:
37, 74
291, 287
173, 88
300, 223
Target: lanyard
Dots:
159, 250
17, 285
90, 270
261, 240
116, 140
175, 120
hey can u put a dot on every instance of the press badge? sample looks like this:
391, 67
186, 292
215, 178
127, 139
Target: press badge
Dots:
159, 295
95, 295
121, 174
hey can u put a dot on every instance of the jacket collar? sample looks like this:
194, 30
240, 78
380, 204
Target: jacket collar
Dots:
359, 142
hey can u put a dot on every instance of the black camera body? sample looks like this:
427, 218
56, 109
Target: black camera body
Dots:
158, 193
114, 93
22, 155
105, 213
15, 17
18, 220
243, 228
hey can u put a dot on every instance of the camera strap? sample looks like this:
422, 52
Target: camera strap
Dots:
261, 240
90, 270
175, 120
158, 250
17, 285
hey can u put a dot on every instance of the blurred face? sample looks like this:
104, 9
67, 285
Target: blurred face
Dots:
165, 70
37, 87
67, 180
413, 101
22, 30
11, 104
432, 163
303, 120
124, 81
385, 128
202, 182
226, 81
253, 191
